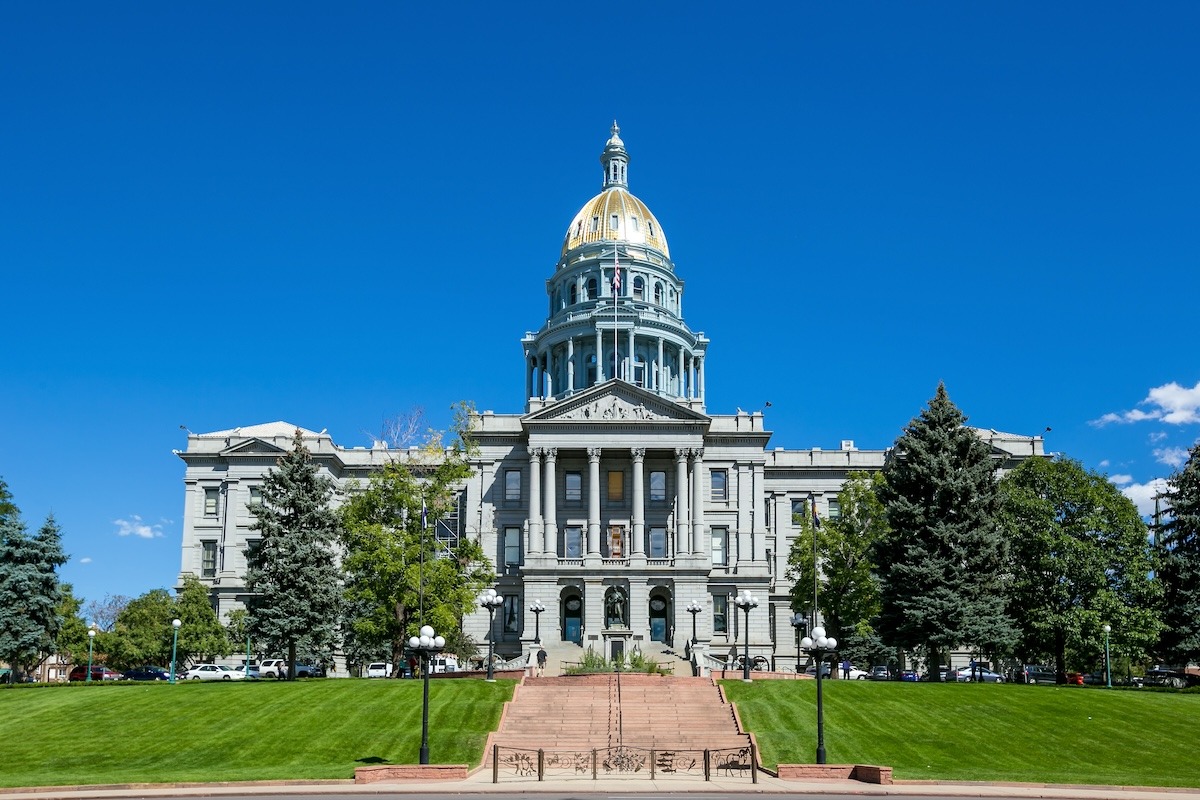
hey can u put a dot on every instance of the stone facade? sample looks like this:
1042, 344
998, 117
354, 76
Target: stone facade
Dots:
615, 499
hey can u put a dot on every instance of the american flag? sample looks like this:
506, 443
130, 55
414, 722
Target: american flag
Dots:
424, 514
616, 282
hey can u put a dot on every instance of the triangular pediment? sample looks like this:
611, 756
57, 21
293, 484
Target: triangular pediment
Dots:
253, 447
616, 401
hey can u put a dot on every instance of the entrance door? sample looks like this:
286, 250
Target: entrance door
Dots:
618, 649
573, 631
658, 620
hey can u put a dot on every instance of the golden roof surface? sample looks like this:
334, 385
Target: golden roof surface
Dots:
615, 215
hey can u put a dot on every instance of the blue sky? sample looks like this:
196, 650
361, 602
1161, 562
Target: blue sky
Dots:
222, 215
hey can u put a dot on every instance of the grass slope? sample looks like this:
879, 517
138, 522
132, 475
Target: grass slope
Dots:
240, 731
979, 732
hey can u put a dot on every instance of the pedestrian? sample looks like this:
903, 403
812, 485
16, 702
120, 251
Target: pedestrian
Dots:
541, 661
846, 669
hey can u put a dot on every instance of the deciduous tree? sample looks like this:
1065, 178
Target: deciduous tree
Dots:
1179, 548
293, 573
941, 562
1080, 559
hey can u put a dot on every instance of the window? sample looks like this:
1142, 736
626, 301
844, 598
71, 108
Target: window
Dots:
615, 221
252, 548
591, 289
650, 226
639, 289
658, 543
720, 613
799, 511
658, 293
574, 487
595, 224
616, 541
616, 486
512, 613
658, 486
720, 547
512, 485
574, 294
512, 547
720, 480
255, 496
208, 559
835, 508
573, 541
210, 501
633, 224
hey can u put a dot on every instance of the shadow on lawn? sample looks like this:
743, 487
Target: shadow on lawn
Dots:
371, 760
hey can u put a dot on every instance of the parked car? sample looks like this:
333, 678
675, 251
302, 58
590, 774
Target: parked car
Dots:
99, 673
309, 671
977, 673
812, 670
379, 669
250, 671
910, 676
1037, 673
213, 672
1173, 678
273, 668
146, 673
880, 672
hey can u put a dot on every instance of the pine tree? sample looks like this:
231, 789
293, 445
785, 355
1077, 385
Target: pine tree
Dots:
940, 563
1080, 559
29, 590
293, 572
1179, 546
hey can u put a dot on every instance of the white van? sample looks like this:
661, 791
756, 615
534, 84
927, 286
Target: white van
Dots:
378, 669
443, 664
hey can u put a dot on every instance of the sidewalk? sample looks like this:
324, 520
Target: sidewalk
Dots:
481, 783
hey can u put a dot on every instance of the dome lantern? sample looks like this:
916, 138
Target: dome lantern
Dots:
615, 160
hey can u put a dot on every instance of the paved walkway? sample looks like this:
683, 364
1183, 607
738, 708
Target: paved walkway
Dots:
481, 783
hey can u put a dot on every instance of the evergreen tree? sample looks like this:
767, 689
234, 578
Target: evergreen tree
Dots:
29, 589
1179, 548
392, 552
7, 509
293, 573
1079, 559
940, 563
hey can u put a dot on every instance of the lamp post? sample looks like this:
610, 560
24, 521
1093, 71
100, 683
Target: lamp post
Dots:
175, 623
425, 645
91, 638
746, 601
694, 608
537, 608
819, 646
799, 622
1107, 666
491, 601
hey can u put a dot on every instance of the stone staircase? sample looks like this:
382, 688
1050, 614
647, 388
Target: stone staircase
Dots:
589, 712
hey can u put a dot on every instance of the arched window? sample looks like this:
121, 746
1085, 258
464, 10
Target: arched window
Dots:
658, 293
591, 370
574, 294
639, 288
591, 289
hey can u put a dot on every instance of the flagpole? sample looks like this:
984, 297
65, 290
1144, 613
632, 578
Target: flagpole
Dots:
424, 525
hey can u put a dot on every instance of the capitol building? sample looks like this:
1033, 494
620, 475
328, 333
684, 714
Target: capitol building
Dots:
616, 499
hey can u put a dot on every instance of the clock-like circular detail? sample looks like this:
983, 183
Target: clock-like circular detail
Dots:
658, 604
573, 604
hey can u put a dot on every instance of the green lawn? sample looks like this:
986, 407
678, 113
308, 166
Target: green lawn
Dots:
257, 730
982, 732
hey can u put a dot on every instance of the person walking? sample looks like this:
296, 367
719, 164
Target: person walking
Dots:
846, 669
541, 661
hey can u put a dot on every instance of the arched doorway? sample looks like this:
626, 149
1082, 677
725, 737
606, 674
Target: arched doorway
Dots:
660, 615
572, 617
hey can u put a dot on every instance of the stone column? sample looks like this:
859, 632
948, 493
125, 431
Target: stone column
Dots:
534, 545
599, 355
658, 368
758, 516
639, 505
681, 501
682, 374
630, 359
700, 359
571, 364
528, 376
550, 535
698, 501
593, 532
549, 371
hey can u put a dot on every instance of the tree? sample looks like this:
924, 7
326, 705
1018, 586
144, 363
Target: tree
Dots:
29, 590
940, 563
141, 634
72, 636
200, 632
7, 509
392, 552
293, 572
1079, 559
848, 598
1179, 548
103, 613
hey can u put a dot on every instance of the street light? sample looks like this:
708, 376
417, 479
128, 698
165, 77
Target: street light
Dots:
1107, 666
425, 645
694, 608
175, 623
799, 622
537, 608
746, 601
491, 601
819, 646
91, 638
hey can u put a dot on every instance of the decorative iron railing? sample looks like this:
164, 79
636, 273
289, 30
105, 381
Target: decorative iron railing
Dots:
519, 764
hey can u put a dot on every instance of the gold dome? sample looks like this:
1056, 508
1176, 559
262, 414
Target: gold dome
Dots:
615, 215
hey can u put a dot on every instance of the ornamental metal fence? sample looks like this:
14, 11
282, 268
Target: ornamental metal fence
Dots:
520, 764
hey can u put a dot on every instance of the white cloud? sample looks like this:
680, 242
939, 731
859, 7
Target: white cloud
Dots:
135, 527
1143, 494
1121, 480
85, 560
1157, 437
1104, 464
1171, 456
1170, 403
